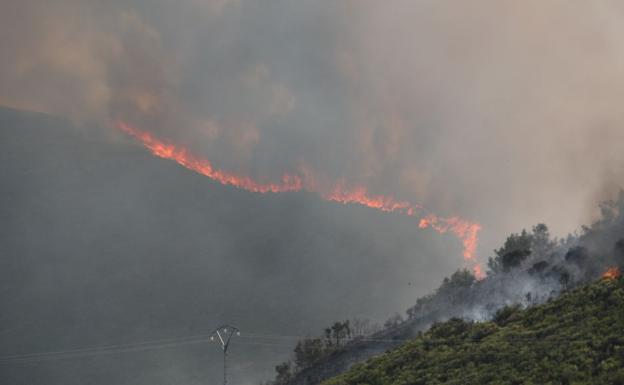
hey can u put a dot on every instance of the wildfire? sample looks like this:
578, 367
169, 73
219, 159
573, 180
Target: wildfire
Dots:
359, 195
466, 231
478, 273
612, 273
183, 157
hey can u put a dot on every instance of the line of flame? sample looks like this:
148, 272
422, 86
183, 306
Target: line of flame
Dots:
466, 231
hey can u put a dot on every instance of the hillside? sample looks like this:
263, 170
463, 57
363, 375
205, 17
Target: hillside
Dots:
102, 243
530, 268
575, 339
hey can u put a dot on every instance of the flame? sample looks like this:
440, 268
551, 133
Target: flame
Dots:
478, 273
183, 157
466, 231
340, 193
612, 273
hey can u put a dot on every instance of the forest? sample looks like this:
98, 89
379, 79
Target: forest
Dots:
531, 268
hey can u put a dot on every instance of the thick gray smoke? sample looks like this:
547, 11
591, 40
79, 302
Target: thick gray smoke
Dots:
532, 267
489, 110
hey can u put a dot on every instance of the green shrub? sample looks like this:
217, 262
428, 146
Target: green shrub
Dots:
576, 339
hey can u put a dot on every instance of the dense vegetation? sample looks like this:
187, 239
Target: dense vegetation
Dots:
575, 339
309, 351
530, 268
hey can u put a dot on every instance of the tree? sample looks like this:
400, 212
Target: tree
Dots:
328, 333
564, 280
393, 321
284, 373
578, 256
456, 287
514, 259
340, 331
515, 250
308, 351
539, 267
422, 306
360, 327
541, 244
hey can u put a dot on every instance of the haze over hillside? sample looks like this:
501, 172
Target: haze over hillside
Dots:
104, 244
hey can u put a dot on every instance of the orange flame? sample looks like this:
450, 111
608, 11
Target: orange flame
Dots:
466, 231
359, 195
478, 273
183, 157
612, 273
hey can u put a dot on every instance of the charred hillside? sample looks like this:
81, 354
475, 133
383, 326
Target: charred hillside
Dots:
576, 338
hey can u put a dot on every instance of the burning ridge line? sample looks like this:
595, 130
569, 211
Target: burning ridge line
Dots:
466, 231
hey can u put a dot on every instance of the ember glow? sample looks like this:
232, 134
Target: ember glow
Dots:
466, 231
612, 273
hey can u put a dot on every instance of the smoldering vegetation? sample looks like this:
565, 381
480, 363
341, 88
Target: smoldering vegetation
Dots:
530, 268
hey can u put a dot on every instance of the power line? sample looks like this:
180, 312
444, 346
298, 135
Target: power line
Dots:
164, 343
62, 355
224, 334
193, 338
121, 348
257, 339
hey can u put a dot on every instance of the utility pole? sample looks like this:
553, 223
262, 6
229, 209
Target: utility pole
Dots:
223, 334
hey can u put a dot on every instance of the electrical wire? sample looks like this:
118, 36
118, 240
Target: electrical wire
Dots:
258, 339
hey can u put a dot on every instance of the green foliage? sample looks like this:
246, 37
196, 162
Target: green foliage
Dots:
453, 290
506, 314
284, 373
576, 339
310, 351
516, 247
519, 247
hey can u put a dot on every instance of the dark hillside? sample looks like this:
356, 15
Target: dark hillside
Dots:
101, 243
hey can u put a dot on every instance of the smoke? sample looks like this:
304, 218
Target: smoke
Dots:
544, 269
306, 181
474, 109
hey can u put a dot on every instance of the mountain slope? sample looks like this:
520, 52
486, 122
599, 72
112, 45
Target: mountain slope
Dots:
101, 243
531, 268
576, 339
